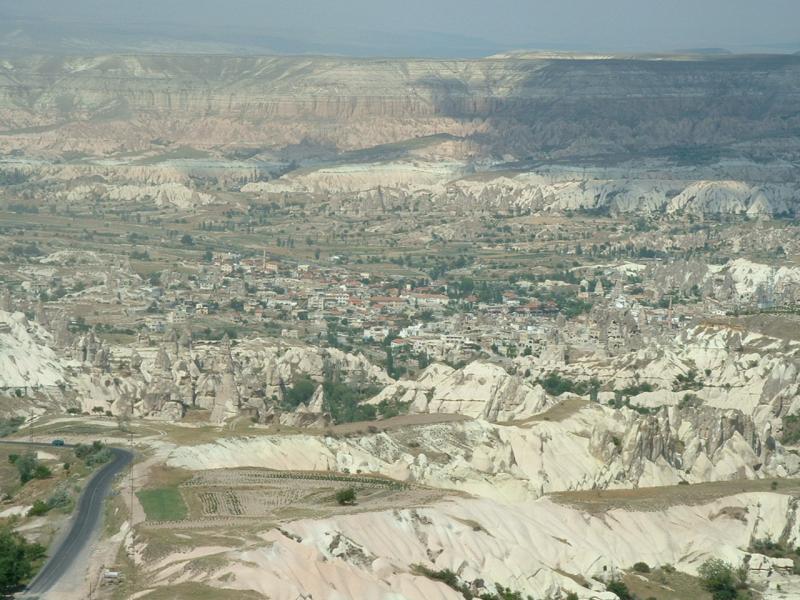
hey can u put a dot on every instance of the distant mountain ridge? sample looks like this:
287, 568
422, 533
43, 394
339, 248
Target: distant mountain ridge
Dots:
547, 107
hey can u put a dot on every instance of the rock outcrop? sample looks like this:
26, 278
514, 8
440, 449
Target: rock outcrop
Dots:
27, 361
479, 390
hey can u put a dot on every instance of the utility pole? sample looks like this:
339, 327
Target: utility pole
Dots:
133, 533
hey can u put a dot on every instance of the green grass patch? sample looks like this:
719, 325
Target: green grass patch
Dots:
163, 504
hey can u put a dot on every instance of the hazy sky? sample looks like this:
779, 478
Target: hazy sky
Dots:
379, 26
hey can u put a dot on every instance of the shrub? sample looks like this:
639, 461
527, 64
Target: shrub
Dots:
690, 401
59, 499
346, 496
687, 382
388, 409
450, 579
39, 508
9, 426
41, 472
641, 567
717, 577
98, 458
636, 389
93, 454
620, 589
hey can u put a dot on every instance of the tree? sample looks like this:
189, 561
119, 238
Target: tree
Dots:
390, 362
301, 392
344, 401
346, 496
718, 578
187, 240
16, 558
26, 467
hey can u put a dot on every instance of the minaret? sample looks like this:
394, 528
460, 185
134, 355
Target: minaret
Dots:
669, 313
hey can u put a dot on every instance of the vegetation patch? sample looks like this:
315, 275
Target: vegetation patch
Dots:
689, 381
163, 504
29, 467
690, 401
723, 581
346, 496
555, 385
93, 454
344, 402
664, 583
61, 498
470, 591
10, 425
777, 550
791, 429
19, 559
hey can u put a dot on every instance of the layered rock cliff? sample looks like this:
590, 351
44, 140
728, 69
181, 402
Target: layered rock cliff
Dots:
563, 108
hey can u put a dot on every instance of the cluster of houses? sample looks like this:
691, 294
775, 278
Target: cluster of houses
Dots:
619, 309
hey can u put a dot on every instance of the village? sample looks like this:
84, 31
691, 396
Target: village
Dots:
401, 322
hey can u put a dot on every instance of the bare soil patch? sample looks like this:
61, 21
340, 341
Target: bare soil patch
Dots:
561, 411
661, 498
398, 422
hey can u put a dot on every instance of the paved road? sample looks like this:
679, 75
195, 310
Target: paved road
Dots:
83, 523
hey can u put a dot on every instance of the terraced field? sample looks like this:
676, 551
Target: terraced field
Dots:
225, 494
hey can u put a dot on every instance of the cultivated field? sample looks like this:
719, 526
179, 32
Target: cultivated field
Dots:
274, 496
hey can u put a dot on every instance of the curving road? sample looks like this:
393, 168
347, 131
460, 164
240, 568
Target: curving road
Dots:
83, 523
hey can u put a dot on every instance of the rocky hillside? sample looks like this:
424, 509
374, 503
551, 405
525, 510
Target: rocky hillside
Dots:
26, 359
536, 548
694, 109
